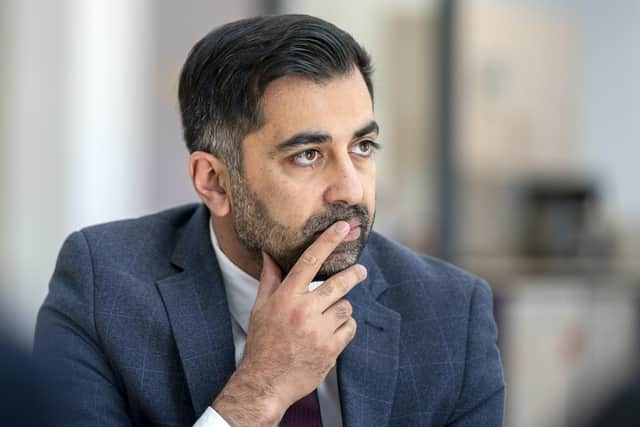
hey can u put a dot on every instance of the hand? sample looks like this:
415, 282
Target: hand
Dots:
294, 337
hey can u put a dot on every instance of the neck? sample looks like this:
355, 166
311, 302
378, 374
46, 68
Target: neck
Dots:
234, 250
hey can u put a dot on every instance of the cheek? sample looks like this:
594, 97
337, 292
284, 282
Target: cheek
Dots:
370, 199
292, 204
369, 186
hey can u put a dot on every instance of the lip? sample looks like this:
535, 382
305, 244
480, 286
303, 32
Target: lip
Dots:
354, 231
353, 223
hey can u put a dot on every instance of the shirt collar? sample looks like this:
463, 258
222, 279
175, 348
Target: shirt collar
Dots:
240, 287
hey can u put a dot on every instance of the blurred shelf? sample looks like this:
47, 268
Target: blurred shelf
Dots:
503, 271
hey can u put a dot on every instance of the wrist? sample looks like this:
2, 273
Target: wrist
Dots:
244, 401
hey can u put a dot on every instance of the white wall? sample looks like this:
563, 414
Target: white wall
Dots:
74, 138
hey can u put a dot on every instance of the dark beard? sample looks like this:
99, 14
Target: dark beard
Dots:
257, 231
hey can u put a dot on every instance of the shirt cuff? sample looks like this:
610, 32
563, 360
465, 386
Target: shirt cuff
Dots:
210, 418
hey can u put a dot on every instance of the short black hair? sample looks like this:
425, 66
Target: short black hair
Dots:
227, 72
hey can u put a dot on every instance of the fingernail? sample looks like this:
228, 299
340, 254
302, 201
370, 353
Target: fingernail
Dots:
341, 227
363, 270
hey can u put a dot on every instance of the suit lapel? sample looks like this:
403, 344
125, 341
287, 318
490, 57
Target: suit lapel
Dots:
368, 367
196, 304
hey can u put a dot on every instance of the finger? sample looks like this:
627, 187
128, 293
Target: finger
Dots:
345, 333
338, 314
270, 279
338, 285
306, 268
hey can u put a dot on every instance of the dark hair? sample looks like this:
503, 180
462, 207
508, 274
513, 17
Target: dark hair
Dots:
227, 72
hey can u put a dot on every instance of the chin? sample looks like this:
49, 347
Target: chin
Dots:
335, 263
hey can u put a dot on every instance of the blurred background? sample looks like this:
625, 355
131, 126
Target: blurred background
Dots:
508, 125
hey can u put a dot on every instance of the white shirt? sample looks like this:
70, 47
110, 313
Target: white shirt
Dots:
242, 290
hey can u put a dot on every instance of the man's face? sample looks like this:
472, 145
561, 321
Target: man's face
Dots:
311, 164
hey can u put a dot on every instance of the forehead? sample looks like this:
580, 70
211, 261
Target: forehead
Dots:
337, 106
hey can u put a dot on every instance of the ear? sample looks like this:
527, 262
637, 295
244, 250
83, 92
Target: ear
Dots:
210, 178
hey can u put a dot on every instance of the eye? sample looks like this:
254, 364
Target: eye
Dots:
306, 157
365, 148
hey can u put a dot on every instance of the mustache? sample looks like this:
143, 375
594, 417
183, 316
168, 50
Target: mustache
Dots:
320, 222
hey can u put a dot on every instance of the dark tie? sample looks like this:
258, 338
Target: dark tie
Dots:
305, 412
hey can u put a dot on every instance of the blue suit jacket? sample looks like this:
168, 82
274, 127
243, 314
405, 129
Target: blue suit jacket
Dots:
137, 330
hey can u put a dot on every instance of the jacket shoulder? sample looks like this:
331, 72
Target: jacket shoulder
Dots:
173, 217
402, 266
142, 239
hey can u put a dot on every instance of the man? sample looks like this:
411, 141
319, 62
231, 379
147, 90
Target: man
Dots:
273, 301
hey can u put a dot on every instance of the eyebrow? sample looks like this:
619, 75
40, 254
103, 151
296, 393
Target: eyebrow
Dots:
310, 137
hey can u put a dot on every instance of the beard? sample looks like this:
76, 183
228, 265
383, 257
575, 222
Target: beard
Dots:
258, 231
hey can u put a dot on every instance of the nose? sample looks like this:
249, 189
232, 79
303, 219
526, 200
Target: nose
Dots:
345, 183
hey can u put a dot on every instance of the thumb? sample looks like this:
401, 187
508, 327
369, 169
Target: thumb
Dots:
270, 278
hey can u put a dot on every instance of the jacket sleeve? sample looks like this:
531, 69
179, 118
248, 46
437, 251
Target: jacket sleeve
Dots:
481, 399
67, 344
